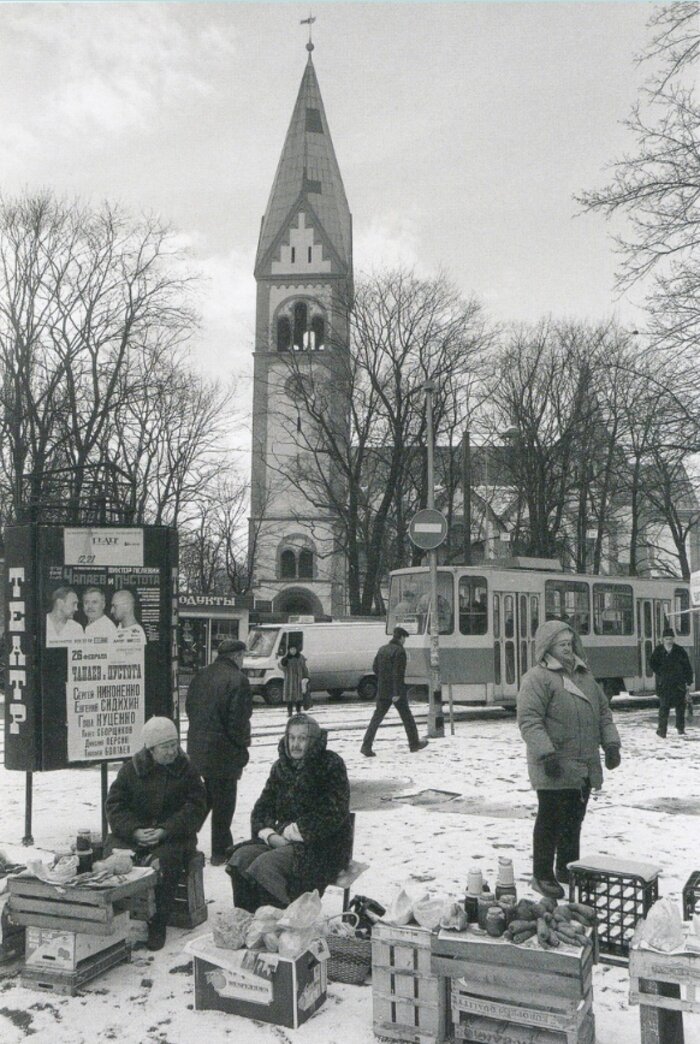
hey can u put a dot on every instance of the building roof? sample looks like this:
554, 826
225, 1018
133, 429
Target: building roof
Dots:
308, 172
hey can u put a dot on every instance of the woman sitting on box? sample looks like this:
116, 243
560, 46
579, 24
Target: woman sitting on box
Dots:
155, 807
300, 824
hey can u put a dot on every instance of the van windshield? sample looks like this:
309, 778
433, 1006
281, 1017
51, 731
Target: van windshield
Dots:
261, 643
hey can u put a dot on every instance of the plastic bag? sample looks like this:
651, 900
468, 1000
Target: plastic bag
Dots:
454, 917
427, 912
230, 927
303, 912
295, 940
663, 928
62, 869
262, 927
401, 909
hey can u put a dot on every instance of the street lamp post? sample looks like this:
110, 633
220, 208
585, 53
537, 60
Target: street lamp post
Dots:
436, 719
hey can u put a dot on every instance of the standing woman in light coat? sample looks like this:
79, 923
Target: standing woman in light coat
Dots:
564, 719
296, 680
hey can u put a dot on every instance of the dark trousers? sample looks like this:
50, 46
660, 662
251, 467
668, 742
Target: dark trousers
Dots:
557, 830
169, 858
221, 802
382, 706
665, 704
291, 708
262, 876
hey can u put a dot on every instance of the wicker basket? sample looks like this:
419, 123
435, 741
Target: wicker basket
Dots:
351, 958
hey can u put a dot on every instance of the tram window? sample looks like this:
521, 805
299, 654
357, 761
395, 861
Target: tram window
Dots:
534, 613
681, 605
523, 657
497, 616
473, 605
508, 616
523, 616
613, 609
409, 602
568, 600
497, 662
647, 620
510, 663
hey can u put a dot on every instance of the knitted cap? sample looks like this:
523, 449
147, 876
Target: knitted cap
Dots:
158, 730
232, 645
668, 633
546, 635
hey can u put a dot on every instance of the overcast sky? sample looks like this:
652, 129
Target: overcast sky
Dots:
462, 131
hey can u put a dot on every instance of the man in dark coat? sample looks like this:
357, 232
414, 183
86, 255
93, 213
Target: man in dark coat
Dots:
155, 807
300, 824
674, 676
219, 705
390, 670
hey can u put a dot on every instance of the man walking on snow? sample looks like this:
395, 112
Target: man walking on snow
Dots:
674, 676
390, 669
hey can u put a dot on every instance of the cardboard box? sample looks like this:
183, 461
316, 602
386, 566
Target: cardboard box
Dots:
51, 948
259, 985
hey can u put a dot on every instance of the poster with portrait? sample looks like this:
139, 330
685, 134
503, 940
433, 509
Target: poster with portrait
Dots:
106, 610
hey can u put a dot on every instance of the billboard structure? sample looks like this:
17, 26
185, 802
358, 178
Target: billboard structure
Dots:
91, 641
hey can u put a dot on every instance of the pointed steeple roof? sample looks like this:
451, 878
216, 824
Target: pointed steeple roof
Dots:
308, 172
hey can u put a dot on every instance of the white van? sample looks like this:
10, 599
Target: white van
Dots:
339, 656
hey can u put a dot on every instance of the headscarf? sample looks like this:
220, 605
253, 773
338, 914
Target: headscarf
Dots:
313, 728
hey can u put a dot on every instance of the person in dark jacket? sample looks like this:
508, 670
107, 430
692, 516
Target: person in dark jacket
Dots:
301, 835
296, 680
564, 719
155, 807
219, 705
674, 676
390, 669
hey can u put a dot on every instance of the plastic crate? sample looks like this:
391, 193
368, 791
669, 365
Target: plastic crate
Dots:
691, 894
620, 892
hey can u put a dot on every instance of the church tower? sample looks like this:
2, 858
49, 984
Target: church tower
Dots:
303, 271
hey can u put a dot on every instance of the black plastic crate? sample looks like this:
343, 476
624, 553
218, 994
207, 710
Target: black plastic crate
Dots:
691, 894
620, 896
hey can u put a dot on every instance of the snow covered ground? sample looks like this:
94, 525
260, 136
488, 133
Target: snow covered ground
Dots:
647, 811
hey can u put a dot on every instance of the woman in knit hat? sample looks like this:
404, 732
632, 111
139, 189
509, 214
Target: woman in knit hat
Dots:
300, 824
155, 807
564, 719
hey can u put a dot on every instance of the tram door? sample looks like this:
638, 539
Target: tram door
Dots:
646, 640
516, 617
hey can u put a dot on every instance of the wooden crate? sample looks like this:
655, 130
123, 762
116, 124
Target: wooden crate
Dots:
410, 1001
72, 909
550, 980
664, 985
478, 1019
52, 980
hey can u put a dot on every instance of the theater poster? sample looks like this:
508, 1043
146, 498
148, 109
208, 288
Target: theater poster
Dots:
105, 611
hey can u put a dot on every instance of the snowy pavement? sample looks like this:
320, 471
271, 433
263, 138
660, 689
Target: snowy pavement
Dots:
647, 811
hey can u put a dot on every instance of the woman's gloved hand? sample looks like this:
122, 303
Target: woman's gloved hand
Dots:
552, 765
612, 756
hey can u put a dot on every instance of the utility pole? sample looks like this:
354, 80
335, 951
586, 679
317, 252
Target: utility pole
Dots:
436, 720
467, 496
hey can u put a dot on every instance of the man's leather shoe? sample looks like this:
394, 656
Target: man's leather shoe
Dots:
218, 859
548, 887
368, 752
422, 744
661, 734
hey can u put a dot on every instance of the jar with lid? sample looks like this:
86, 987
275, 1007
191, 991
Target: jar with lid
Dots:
485, 902
495, 921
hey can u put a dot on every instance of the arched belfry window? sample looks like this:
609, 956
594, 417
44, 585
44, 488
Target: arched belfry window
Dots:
284, 334
317, 330
296, 559
300, 320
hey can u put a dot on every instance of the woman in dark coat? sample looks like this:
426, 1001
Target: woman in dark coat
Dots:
300, 824
155, 807
296, 680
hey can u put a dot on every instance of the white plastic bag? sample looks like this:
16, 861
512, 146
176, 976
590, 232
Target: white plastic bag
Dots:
663, 928
427, 912
303, 912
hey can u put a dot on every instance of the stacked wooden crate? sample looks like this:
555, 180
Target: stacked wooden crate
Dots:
664, 985
512, 994
410, 1000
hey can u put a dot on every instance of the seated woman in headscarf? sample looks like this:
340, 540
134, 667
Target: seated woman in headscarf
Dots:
300, 824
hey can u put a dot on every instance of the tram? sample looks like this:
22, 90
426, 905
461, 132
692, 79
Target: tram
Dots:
488, 615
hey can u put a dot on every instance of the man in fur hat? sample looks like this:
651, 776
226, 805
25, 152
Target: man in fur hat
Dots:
564, 719
155, 807
674, 676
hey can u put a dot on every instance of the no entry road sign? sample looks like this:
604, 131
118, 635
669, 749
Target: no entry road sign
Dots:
427, 529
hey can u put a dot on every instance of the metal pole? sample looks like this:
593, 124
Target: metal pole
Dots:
467, 496
104, 786
28, 839
436, 720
